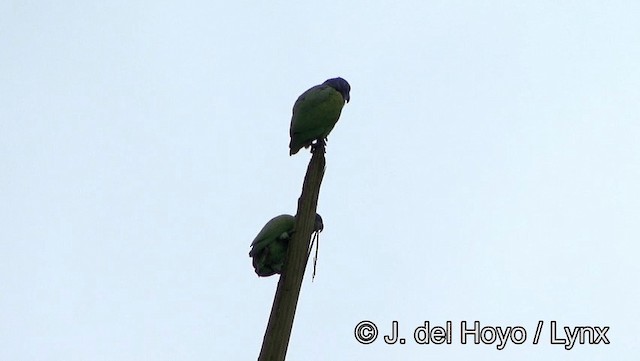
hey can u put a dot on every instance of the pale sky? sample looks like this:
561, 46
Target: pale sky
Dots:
486, 169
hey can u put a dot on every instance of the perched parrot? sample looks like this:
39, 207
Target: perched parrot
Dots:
316, 112
269, 248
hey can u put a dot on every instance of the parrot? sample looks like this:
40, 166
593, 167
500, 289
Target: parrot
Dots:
269, 248
316, 112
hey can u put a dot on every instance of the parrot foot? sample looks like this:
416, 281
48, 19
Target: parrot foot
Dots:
318, 145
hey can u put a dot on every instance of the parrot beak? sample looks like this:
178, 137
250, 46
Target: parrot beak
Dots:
347, 98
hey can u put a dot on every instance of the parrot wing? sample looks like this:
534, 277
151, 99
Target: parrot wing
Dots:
272, 231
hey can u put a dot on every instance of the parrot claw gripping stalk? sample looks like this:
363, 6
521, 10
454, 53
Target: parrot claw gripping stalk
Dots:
319, 145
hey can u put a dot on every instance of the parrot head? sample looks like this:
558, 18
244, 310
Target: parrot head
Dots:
341, 86
318, 226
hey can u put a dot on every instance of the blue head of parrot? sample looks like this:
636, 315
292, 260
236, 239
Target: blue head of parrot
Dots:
318, 225
341, 86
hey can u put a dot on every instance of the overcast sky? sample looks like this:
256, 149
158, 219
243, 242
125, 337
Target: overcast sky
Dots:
486, 169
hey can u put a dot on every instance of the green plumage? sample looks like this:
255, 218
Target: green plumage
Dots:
316, 112
269, 248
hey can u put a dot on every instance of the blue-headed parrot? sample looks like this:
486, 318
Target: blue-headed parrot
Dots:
269, 248
316, 112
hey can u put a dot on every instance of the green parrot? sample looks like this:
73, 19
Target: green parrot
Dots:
316, 112
269, 248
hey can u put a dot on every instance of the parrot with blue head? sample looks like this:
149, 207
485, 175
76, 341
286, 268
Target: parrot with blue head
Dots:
316, 112
269, 248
